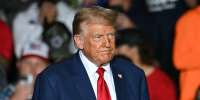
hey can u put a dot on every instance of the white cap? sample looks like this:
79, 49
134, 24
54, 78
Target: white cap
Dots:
35, 48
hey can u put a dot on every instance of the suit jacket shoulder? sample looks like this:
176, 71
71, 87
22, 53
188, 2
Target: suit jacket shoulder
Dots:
126, 67
130, 81
66, 80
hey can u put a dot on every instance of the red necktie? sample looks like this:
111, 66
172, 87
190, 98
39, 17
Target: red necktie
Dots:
102, 88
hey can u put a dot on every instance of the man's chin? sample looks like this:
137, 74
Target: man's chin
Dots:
105, 61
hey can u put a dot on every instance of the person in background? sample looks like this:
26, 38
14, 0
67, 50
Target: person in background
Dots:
186, 52
136, 11
28, 24
133, 44
165, 13
6, 45
34, 59
92, 73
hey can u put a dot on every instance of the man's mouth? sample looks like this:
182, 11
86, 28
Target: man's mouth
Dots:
106, 52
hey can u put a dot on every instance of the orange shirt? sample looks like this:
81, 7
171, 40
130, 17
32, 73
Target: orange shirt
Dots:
186, 53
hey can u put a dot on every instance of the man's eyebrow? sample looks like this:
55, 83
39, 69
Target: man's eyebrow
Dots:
112, 32
98, 34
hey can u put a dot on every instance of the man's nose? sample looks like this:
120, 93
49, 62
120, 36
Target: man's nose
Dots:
106, 42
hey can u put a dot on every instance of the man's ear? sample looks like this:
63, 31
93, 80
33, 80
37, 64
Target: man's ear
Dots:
79, 41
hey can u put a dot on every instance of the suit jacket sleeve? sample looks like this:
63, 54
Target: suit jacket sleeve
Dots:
43, 89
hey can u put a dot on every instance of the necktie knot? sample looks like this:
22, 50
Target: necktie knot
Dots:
100, 71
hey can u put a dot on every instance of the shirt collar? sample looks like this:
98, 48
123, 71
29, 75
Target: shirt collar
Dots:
90, 67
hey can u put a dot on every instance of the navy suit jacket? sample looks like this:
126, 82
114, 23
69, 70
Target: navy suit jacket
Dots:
68, 80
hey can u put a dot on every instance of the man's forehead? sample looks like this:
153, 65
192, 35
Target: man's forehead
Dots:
88, 25
105, 33
100, 29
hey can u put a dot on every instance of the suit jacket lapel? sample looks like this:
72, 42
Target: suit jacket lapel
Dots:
119, 81
84, 86
81, 80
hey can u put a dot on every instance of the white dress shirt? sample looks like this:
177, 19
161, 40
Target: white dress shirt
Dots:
93, 76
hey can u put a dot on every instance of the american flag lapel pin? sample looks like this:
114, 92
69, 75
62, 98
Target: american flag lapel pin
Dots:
120, 75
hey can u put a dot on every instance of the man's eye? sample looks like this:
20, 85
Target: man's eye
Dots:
97, 37
112, 35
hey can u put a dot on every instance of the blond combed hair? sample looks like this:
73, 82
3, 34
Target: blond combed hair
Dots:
94, 15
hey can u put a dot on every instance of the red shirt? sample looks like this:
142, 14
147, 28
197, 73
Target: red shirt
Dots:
6, 43
161, 87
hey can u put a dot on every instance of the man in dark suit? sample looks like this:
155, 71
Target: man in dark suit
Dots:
92, 73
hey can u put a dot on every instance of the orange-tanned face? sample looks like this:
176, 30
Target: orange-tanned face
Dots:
97, 43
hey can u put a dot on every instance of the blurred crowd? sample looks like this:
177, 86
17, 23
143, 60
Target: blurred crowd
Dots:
159, 36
